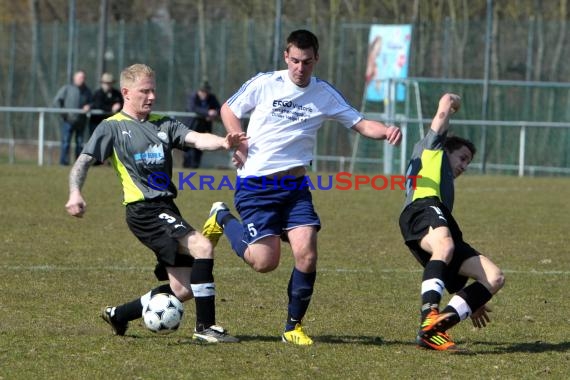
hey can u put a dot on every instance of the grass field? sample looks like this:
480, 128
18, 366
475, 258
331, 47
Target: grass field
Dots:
56, 272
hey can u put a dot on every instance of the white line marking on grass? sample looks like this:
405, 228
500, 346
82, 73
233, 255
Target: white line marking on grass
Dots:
58, 268
497, 189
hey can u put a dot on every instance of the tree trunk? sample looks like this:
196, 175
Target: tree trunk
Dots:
555, 62
202, 40
459, 35
37, 77
538, 63
496, 92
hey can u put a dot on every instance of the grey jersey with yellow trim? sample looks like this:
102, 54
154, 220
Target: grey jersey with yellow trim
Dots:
140, 152
429, 160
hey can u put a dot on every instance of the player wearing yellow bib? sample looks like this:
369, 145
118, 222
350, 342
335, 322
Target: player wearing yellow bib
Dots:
434, 238
139, 144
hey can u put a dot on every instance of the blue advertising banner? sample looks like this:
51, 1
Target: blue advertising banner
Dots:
388, 53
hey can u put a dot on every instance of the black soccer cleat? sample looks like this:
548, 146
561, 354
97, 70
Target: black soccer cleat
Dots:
214, 334
118, 328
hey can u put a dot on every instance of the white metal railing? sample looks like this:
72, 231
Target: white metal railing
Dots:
42, 111
342, 160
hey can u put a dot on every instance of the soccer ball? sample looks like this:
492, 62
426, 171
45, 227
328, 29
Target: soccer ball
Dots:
163, 313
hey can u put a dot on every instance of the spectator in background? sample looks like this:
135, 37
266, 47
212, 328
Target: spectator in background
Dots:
107, 99
74, 95
207, 107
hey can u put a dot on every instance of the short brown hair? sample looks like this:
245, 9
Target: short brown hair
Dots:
130, 74
452, 143
303, 39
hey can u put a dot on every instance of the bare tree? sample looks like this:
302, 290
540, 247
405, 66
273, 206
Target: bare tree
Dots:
460, 32
202, 39
555, 61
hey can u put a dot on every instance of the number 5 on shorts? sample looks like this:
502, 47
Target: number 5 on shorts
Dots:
252, 230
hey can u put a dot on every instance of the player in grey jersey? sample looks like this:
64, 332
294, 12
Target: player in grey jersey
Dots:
139, 144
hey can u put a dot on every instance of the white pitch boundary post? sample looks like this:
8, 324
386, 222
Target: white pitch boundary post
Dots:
41, 134
391, 113
522, 143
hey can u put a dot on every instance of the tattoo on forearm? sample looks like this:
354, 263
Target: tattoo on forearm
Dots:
78, 172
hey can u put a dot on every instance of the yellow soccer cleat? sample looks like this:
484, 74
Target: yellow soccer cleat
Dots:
212, 229
297, 336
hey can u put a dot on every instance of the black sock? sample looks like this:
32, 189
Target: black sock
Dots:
129, 311
133, 310
204, 289
165, 288
451, 321
432, 286
475, 295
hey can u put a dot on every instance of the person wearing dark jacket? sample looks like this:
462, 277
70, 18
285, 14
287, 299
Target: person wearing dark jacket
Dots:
207, 108
107, 99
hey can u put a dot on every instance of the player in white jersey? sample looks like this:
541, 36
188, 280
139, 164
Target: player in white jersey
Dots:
287, 108
285, 119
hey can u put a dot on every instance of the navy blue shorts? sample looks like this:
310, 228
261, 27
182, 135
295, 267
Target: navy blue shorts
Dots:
267, 208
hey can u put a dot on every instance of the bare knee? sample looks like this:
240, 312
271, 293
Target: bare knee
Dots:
443, 249
265, 266
182, 292
306, 263
496, 281
264, 256
200, 247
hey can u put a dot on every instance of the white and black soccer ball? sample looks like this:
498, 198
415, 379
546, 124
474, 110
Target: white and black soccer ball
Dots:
163, 313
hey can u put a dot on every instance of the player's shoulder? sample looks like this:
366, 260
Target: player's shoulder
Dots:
328, 88
258, 82
265, 77
165, 122
121, 118
118, 117
432, 140
158, 118
324, 84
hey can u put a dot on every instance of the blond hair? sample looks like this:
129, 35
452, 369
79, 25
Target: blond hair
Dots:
130, 74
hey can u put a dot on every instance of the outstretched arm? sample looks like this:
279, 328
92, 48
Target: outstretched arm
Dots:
75, 206
448, 105
209, 141
233, 125
378, 131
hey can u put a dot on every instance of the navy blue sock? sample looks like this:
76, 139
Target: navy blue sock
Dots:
221, 215
300, 290
233, 229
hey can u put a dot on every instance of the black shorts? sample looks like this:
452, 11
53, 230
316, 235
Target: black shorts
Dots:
415, 221
158, 225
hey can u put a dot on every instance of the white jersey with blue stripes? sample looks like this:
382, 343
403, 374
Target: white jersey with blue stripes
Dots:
284, 120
